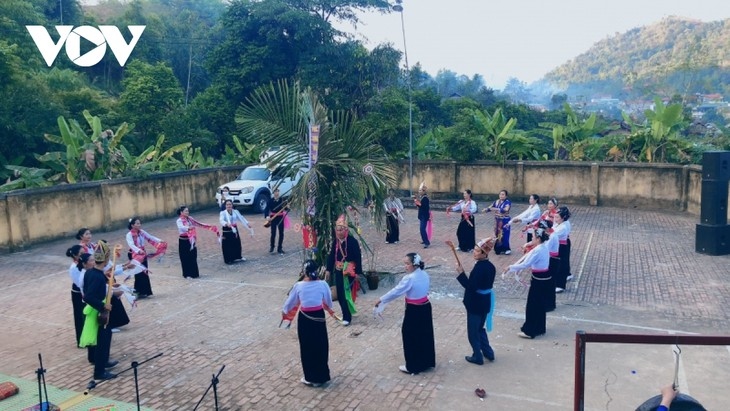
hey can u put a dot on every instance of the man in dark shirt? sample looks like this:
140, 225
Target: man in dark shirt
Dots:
424, 213
478, 300
95, 283
275, 211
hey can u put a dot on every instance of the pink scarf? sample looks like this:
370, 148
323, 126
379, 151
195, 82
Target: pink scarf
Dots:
191, 223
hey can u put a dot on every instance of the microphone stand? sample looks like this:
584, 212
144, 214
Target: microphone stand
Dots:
214, 385
42, 406
93, 384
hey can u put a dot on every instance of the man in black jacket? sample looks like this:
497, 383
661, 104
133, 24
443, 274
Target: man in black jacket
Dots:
275, 212
478, 301
95, 283
424, 213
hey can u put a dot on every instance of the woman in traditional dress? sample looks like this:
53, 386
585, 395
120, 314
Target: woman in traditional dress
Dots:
77, 283
562, 230
538, 260
84, 237
465, 232
528, 217
417, 329
232, 222
478, 300
312, 295
393, 217
188, 248
501, 208
136, 240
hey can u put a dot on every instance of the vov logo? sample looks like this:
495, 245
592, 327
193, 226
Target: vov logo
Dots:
71, 37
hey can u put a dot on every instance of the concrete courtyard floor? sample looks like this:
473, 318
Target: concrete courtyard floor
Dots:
636, 272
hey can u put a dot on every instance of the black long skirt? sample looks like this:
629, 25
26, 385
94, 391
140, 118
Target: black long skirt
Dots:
118, 315
418, 342
562, 278
392, 232
188, 259
142, 284
466, 235
231, 246
553, 270
314, 346
537, 299
78, 306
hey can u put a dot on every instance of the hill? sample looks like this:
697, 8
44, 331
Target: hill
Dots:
673, 56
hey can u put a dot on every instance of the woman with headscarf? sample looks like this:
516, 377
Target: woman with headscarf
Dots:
538, 261
501, 208
136, 240
313, 297
188, 249
478, 300
465, 232
417, 329
232, 222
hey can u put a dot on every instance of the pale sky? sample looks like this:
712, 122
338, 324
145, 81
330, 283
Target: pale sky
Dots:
516, 38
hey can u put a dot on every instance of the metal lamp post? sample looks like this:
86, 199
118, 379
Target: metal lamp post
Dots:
399, 8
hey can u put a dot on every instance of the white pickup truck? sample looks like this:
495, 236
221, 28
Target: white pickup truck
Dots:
254, 185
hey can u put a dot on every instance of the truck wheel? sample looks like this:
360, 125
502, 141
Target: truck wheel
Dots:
259, 204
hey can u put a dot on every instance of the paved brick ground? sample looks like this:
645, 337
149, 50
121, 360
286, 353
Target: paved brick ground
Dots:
636, 272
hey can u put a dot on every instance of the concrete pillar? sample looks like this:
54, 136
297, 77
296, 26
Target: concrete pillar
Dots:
595, 188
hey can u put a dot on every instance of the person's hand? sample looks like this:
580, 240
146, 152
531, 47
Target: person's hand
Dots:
326, 275
377, 303
108, 306
668, 395
459, 268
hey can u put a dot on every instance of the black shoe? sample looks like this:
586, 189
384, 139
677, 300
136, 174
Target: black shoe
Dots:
280, 251
106, 376
271, 250
489, 356
474, 360
111, 364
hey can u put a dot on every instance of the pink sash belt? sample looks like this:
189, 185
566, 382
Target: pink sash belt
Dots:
310, 309
421, 300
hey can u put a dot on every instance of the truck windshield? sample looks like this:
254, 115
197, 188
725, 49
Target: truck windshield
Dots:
255, 174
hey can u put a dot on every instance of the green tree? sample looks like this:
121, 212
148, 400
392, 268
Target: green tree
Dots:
150, 93
350, 162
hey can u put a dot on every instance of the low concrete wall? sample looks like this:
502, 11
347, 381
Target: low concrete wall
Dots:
33, 216
649, 186
43, 214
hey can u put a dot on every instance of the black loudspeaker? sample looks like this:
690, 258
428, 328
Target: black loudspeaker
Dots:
716, 165
712, 239
713, 204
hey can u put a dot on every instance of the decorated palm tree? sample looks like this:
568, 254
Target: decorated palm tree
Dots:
341, 160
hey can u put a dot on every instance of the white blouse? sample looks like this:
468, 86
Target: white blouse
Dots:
142, 238
229, 219
537, 259
414, 285
308, 294
468, 206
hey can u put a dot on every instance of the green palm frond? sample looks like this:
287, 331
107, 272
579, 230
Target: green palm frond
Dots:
279, 115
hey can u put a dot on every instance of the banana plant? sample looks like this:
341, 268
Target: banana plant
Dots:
26, 177
574, 130
496, 130
241, 153
664, 123
87, 157
193, 158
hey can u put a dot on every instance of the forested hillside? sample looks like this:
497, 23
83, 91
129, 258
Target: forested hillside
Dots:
176, 103
673, 56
